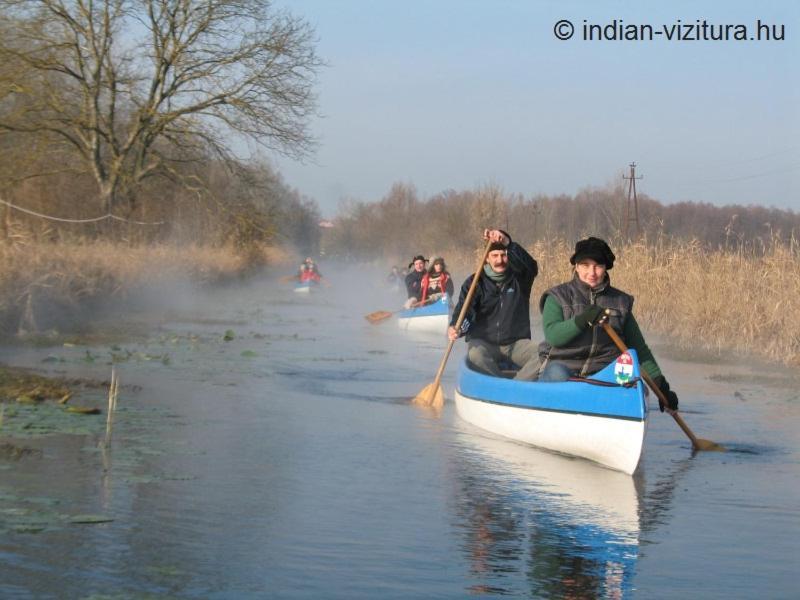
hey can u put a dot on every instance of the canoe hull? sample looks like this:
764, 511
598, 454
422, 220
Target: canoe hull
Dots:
433, 318
606, 425
430, 324
614, 443
305, 287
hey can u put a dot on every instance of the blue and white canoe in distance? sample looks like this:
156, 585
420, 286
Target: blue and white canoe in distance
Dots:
434, 317
602, 423
305, 287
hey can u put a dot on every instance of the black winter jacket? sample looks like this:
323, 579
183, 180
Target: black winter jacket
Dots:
414, 284
500, 314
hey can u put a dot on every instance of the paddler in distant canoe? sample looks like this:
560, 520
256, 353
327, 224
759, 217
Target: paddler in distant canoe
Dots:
436, 282
308, 271
413, 280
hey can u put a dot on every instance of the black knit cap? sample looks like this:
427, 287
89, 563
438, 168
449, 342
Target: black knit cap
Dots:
596, 249
416, 258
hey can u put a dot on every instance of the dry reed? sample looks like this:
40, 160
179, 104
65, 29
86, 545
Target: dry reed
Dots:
738, 300
72, 274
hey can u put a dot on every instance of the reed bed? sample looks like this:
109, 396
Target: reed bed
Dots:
740, 300
73, 275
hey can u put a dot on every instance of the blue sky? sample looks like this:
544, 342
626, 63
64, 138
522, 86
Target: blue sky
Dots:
458, 94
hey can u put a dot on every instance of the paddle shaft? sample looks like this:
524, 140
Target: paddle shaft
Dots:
656, 390
464, 308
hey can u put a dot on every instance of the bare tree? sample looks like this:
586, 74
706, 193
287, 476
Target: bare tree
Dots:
133, 88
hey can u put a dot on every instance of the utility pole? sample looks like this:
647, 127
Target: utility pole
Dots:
632, 200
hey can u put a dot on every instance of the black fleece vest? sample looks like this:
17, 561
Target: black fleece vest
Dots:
593, 349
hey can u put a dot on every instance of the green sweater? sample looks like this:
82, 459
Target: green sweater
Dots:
559, 332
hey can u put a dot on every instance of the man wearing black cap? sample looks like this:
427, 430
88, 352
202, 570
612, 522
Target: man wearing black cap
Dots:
572, 345
414, 280
497, 324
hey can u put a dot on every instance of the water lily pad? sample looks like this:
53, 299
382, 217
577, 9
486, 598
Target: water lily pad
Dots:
249, 354
83, 410
229, 335
89, 519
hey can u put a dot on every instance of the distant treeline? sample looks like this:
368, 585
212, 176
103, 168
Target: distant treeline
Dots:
402, 224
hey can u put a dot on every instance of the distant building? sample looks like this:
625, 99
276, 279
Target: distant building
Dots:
326, 224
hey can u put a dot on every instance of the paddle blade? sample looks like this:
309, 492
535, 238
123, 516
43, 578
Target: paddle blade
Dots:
431, 395
708, 445
438, 399
378, 316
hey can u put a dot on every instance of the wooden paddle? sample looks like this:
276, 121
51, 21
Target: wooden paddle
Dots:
381, 315
697, 443
431, 394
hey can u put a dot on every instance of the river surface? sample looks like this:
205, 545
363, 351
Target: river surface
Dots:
287, 461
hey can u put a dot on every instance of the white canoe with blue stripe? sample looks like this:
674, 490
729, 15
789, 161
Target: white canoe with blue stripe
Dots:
604, 421
305, 287
434, 317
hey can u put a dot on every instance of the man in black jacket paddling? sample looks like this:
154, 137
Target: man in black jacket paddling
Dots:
497, 324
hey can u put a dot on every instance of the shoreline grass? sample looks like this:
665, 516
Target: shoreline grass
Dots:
71, 278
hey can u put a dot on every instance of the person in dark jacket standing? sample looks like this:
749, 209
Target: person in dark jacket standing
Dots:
497, 324
572, 344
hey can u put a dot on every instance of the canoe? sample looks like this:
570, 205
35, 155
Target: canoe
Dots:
603, 419
433, 317
305, 287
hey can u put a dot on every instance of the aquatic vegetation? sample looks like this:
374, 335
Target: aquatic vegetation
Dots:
25, 386
89, 519
15, 452
41, 419
37, 514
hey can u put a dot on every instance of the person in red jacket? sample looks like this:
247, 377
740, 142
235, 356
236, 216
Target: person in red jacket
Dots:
436, 282
308, 271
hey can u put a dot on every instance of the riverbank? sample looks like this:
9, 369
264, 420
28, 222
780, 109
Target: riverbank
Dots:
44, 286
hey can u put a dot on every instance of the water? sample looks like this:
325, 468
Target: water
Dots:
288, 463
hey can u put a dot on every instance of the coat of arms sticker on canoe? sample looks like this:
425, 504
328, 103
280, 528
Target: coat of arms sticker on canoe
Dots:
623, 369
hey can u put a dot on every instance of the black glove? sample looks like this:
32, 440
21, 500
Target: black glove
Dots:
672, 397
588, 317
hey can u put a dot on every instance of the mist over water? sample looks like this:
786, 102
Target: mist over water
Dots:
265, 446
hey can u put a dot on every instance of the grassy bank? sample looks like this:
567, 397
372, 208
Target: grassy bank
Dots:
38, 281
740, 300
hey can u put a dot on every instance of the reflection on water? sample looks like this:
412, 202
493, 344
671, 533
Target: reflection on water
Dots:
561, 528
